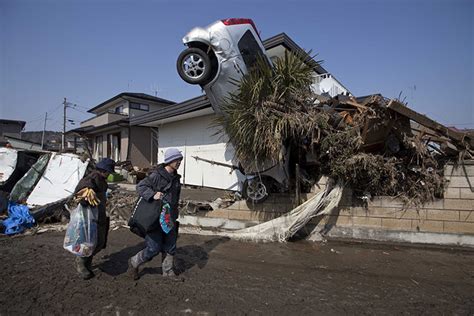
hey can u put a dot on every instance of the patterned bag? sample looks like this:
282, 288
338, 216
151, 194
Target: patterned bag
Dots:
166, 221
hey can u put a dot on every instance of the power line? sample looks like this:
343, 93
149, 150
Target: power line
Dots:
79, 111
34, 120
74, 104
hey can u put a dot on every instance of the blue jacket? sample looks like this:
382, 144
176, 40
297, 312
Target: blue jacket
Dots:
157, 182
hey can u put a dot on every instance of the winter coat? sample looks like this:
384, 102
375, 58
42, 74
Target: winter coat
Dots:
96, 182
157, 182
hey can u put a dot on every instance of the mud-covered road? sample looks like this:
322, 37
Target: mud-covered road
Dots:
229, 277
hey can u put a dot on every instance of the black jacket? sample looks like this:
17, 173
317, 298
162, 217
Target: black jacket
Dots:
96, 182
157, 182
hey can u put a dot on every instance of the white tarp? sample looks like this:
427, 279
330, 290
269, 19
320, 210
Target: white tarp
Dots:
63, 173
8, 158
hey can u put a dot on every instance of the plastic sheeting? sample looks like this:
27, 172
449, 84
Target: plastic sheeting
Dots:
284, 227
25, 185
18, 220
8, 159
62, 174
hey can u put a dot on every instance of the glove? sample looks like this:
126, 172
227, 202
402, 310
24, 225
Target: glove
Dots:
88, 195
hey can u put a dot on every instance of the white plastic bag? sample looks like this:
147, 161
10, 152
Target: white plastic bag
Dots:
81, 232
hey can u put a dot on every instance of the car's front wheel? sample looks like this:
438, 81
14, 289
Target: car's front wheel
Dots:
194, 66
256, 190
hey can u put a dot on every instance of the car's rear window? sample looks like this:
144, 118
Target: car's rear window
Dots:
249, 49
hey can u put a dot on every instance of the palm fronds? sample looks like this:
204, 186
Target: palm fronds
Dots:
271, 106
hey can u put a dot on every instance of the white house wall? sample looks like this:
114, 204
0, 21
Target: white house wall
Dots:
329, 85
195, 138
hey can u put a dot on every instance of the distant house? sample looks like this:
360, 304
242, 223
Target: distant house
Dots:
188, 126
109, 133
11, 128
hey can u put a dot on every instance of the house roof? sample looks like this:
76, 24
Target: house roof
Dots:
143, 96
22, 123
202, 102
22, 140
92, 129
285, 40
191, 105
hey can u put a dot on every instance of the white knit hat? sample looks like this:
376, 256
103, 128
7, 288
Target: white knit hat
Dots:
172, 154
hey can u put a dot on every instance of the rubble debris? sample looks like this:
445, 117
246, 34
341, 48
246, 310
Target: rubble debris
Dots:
60, 178
13, 165
212, 162
220, 203
368, 142
47, 186
120, 204
191, 207
284, 227
26, 184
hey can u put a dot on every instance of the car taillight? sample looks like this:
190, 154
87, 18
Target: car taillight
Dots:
235, 21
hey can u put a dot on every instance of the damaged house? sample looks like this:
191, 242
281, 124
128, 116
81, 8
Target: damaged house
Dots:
110, 134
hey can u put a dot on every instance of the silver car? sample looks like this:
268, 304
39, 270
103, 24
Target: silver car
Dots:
218, 54
216, 58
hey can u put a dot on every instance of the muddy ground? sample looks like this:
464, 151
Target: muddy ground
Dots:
222, 276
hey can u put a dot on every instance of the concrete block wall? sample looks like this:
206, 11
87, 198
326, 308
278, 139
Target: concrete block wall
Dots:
449, 220
275, 206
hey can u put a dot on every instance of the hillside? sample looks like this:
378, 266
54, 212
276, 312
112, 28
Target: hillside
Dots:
35, 136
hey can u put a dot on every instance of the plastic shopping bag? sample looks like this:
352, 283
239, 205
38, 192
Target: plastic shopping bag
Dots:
81, 232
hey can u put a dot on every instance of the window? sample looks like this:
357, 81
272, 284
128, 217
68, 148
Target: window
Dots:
119, 109
249, 49
139, 106
98, 148
113, 146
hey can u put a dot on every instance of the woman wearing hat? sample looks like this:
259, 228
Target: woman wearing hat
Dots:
163, 183
96, 180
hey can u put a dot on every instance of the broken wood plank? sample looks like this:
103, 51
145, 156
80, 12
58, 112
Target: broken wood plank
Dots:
425, 121
359, 107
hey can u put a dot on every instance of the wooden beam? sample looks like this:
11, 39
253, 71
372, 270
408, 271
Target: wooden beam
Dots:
425, 121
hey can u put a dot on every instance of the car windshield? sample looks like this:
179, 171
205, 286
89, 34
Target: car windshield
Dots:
249, 49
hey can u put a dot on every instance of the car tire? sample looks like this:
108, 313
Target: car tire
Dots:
194, 65
256, 190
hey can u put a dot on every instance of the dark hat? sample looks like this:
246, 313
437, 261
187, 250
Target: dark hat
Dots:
106, 164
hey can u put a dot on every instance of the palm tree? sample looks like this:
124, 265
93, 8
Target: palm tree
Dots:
274, 106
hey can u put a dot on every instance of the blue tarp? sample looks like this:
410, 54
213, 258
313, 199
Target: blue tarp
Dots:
18, 220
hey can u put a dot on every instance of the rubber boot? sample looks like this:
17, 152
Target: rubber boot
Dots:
82, 269
133, 265
167, 266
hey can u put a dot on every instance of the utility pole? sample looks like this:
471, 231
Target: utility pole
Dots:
44, 129
64, 126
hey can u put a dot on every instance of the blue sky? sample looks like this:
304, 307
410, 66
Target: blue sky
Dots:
90, 50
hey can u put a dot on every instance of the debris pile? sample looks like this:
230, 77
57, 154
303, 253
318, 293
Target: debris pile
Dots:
372, 144
120, 204
132, 174
42, 190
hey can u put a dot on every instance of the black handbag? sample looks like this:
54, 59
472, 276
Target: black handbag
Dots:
146, 215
